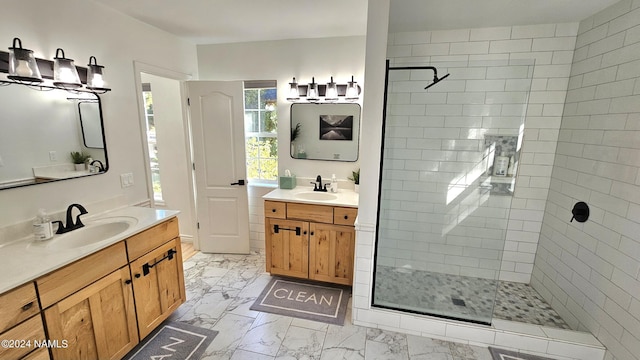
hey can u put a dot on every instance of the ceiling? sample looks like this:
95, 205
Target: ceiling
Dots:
228, 21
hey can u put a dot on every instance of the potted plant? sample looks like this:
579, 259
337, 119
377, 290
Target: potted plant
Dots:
295, 132
79, 158
355, 177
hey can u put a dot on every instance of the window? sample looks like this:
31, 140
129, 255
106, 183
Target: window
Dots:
151, 141
261, 130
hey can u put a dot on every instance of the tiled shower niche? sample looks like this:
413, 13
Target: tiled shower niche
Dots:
495, 145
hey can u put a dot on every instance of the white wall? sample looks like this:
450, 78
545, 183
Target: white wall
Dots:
84, 28
340, 57
590, 272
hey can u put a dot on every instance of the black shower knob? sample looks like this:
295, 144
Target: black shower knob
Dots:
580, 212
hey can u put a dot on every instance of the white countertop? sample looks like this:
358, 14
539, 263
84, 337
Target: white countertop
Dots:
344, 197
25, 259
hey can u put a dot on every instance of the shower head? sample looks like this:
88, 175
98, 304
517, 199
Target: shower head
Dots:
436, 80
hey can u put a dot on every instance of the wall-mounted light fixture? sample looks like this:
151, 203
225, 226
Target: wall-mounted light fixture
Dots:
22, 64
353, 90
65, 74
95, 81
312, 91
331, 92
294, 93
22, 67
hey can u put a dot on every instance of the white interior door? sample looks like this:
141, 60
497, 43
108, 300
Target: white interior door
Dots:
217, 121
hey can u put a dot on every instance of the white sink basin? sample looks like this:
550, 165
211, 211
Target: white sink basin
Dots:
315, 196
93, 232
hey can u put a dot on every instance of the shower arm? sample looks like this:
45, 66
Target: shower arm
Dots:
432, 68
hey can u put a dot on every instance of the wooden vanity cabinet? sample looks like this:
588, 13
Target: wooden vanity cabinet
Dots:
20, 320
158, 284
104, 303
287, 247
310, 241
331, 252
98, 321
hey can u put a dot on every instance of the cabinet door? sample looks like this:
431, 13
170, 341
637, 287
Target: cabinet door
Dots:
331, 253
287, 247
98, 321
158, 285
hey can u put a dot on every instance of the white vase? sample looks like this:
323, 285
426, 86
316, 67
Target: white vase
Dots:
80, 167
356, 188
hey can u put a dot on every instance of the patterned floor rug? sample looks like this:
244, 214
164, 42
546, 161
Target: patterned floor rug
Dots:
306, 300
500, 354
173, 340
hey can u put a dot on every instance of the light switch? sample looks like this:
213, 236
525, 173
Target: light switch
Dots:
53, 156
1, 162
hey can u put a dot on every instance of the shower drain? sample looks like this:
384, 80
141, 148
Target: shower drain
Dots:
458, 302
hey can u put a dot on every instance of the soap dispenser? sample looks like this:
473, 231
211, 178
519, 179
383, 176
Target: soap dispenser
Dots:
42, 227
334, 184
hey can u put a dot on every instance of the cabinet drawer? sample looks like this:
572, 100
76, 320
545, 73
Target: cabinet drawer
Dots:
29, 330
344, 216
18, 305
316, 213
142, 243
73, 277
275, 209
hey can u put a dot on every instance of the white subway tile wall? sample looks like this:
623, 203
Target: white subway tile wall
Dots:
441, 130
590, 272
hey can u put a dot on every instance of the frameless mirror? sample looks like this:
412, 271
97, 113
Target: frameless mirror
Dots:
325, 131
40, 127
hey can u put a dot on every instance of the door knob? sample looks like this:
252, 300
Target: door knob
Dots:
240, 182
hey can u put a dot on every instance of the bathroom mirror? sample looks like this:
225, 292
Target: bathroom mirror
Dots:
40, 126
325, 131
91, 123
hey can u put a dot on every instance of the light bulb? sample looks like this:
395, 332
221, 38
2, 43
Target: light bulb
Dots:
66, 75
23, 69
97, 81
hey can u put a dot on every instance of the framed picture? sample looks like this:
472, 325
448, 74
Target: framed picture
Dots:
336, 127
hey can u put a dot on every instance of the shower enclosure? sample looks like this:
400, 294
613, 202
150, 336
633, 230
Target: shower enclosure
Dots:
443, 201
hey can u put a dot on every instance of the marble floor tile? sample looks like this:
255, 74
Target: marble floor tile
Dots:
221, 288
301, 343
266, 334
421, 348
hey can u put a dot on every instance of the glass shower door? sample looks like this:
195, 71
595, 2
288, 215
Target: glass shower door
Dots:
443, 204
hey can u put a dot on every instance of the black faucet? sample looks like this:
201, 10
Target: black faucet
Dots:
317, 185
100, 167
70, 225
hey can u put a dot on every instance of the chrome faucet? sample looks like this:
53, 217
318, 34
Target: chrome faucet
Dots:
318, 186
70, 224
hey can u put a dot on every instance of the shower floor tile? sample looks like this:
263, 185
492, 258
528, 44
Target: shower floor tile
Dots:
462, 297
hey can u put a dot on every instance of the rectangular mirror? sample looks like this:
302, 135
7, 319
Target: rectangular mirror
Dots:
325, 131
39, 128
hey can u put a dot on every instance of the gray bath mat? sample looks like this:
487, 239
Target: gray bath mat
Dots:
500, 354
173, 340
306, 300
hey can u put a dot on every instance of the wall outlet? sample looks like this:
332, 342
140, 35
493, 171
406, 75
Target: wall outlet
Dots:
53, 156
126, 180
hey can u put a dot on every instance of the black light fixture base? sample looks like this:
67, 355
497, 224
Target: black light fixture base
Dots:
66, 85
25, 79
